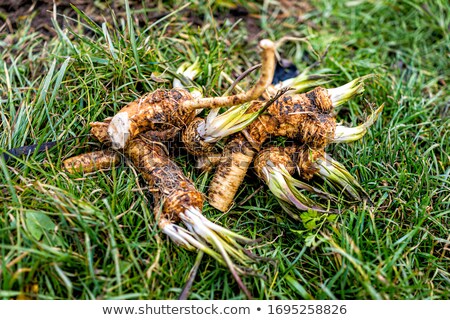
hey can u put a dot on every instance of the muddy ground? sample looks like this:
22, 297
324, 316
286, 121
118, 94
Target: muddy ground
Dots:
14, 13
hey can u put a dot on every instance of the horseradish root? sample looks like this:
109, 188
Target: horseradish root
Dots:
92, 161
306, 118
277, 165
177, 199
231, 170
163, 109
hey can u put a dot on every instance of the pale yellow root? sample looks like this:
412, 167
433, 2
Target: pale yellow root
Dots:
92, 161
230, 173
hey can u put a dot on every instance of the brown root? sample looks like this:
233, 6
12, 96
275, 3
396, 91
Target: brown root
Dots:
177, 200
158, 111
207, 162
306, 161
305, 117
163, 109
291, 158
194, 143
318, 131
161, 136
276, 156
92, 161
174, 192
276, 166
236, 159
265, 79
99, 130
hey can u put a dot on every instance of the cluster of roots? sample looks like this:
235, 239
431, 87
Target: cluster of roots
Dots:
139, 130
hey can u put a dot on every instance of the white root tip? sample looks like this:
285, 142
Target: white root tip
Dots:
190, 71
221, 239
119, 130
213, 240
350, 134
175, 235
229, 250
342, 94
266, 44
345, 134
177, 83
287, 189
196, 94
339, 177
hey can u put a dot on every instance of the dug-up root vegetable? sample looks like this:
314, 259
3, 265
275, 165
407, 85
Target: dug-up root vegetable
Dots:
161, 110
306, 118
231, 170
277, 165
158, 131
92, 161
177, 200
201, 135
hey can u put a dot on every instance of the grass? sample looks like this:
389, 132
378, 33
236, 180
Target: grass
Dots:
69, 236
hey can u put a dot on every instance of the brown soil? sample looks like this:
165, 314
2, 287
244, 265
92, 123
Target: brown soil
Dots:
13, 13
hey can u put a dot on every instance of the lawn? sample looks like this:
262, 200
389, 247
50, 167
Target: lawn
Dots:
94, 236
